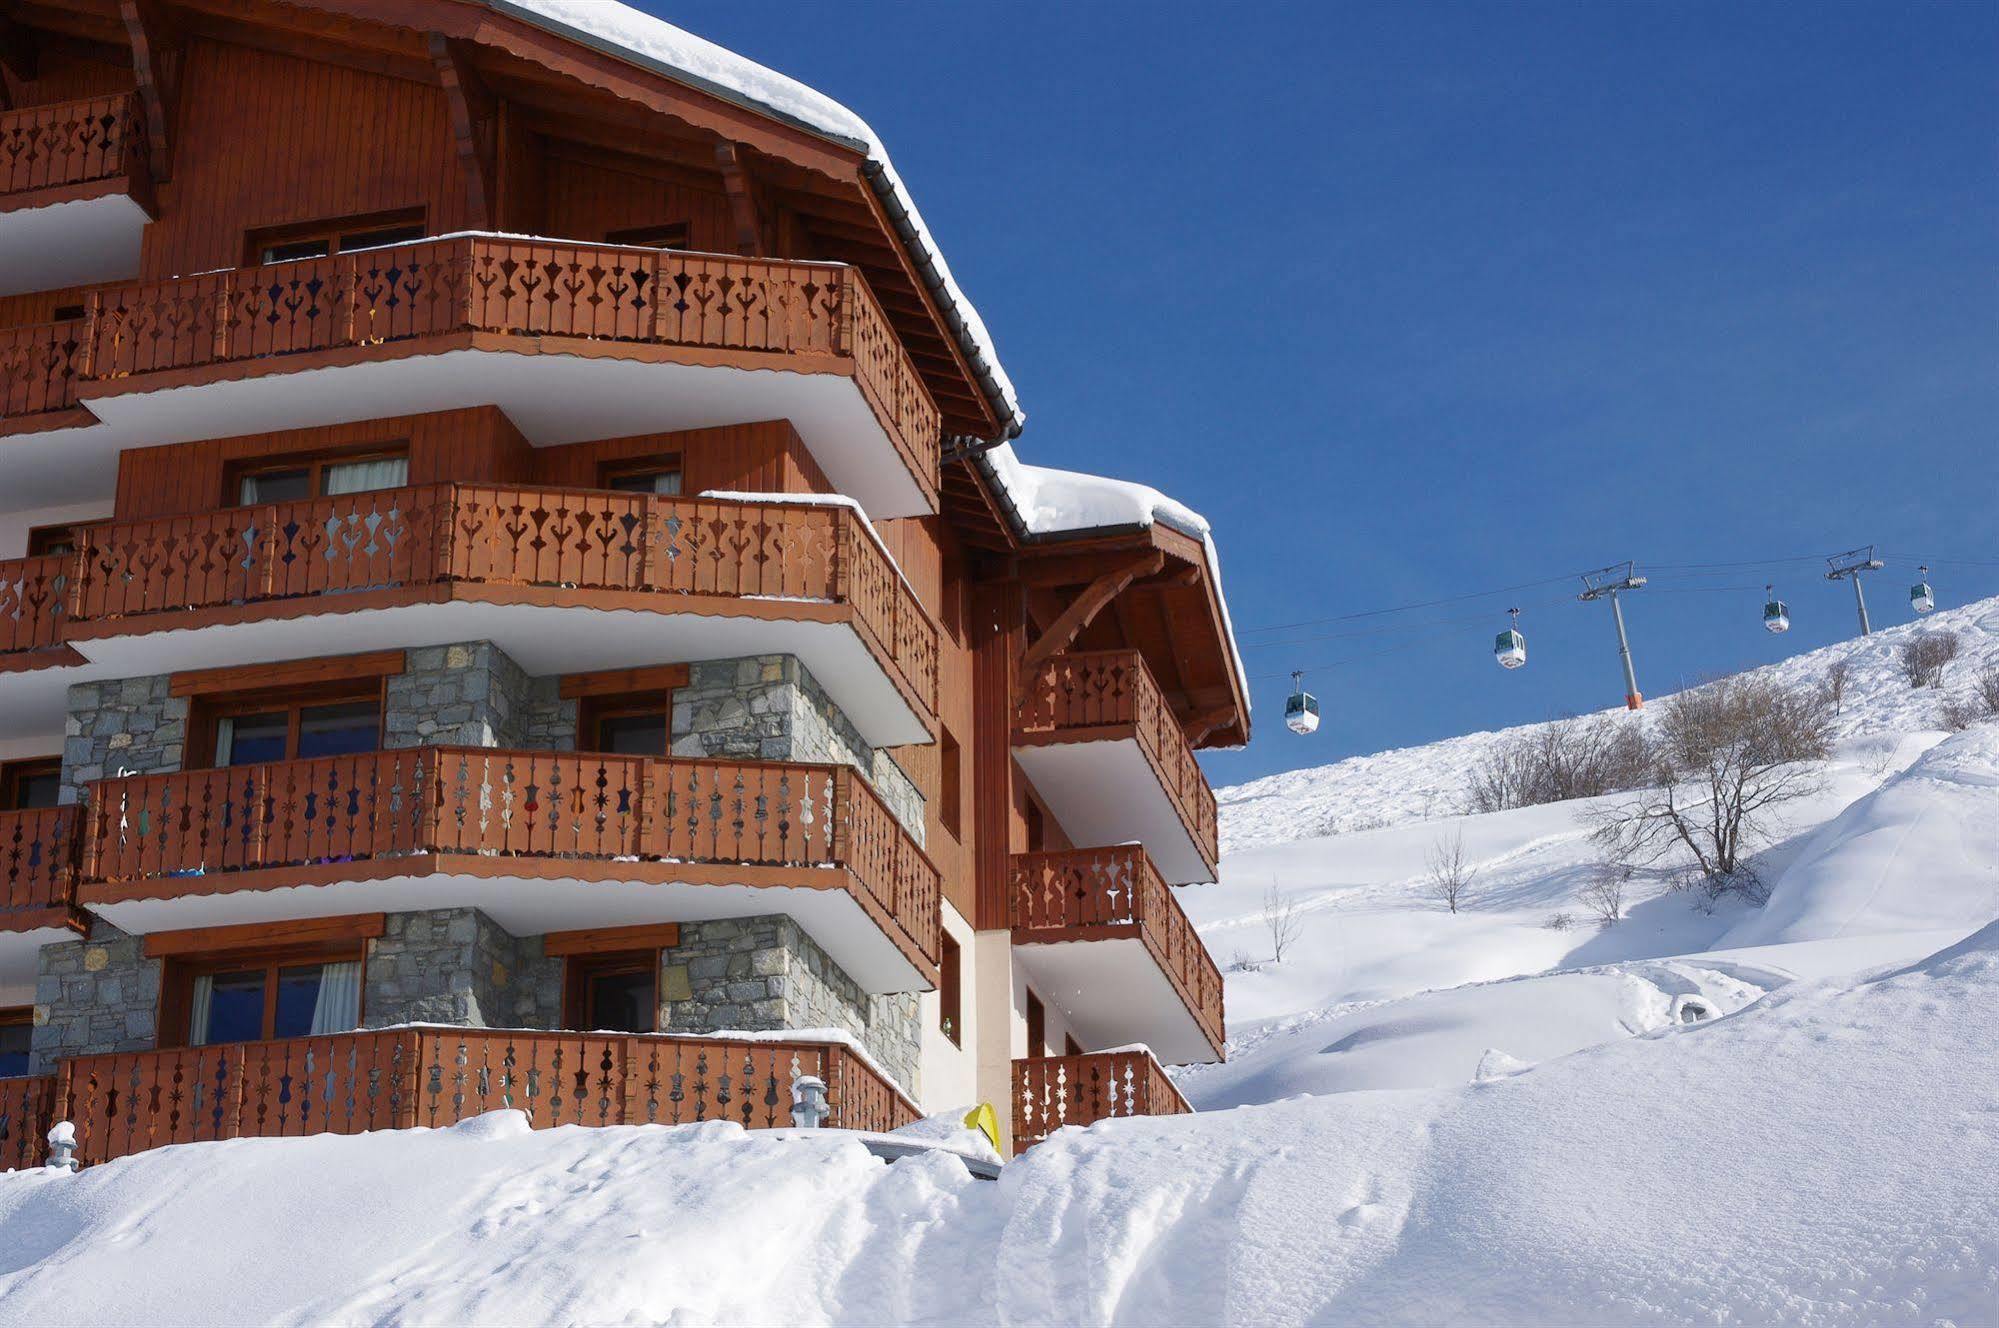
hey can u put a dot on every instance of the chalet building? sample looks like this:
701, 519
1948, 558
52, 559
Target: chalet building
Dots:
516, 589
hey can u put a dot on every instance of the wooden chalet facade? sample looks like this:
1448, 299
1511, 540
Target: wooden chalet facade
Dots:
509, 596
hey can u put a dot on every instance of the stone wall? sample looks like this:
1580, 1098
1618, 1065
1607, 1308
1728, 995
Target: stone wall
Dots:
765, 973
474, 695
94, 995
458, 966
124, 726
771, 708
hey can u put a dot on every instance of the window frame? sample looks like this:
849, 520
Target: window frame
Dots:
658, 235
208, 712
658, 463
332, 230
26, 767
951, 992
620, 692
315, 464
1036, 1017
19, 1016
579, 969
61, 532
177, 982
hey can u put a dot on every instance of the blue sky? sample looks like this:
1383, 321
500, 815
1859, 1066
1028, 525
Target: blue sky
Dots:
1416, 300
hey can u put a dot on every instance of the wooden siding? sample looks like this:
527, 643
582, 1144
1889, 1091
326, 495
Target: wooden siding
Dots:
329, 141
62, 75
767, 457
586, 199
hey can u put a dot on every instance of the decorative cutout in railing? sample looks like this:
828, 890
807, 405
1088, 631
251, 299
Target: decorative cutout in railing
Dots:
578, 541
26, 1113
1119, 887
1052, 1091
71, 142
348, 1083
39, 367
37, 860
191, 829
32, 595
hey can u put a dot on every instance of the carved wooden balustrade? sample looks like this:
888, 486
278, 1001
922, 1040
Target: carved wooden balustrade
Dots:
1052, 1091
68, 143
498, 812
1099, 695
33, 595
39, 366
1113, 893
348, 1083
27, 1110
702, 307
619, 550
38, 867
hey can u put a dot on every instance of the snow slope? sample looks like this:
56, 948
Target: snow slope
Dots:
1823, 1156
1419, 783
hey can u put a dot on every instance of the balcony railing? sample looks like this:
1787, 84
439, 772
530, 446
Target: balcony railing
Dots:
69, 143
347, 1083
39, 366
1102, 695
1052, 1091
1111, 893
339, 818
507, 293
618, 550
27, 1110
33, 592
37, 867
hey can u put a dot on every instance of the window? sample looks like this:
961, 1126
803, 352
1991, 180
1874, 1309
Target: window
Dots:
950, 999
323, 239
625, 712
1071, 1047
17, 1030
47, 540
1037, 1025
659, 475
244, 999
617, 992
950, 788
26, 785
670, 235
256, 734
319, 477
1037, 828
67, 313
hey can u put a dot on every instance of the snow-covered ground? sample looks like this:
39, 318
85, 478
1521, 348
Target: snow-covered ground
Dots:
1507, 1114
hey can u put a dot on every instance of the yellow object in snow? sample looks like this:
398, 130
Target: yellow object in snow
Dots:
983, 1119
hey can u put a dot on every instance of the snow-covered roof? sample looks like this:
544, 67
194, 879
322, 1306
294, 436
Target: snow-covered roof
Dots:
1068, 502
680, 55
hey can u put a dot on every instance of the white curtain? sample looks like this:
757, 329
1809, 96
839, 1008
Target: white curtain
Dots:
338, 1008
367, 476
197, 1015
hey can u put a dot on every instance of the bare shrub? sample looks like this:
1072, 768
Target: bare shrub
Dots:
1960, 713
1924, 657
1559, 922
1450, 875
1987, 691
1603, 893
1554, 762
1280, 914
1729, 753
1240, 962
1834, 684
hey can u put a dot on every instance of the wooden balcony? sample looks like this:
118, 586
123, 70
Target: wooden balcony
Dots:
27, 1110
1102, 933
37, 888
350, 1083
538, 571
75, 193
34, 595
573, 341
541, 841
1052, 1091
1101, 745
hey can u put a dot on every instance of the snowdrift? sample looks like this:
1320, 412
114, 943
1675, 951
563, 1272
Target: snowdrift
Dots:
1823, 1156
1921, 853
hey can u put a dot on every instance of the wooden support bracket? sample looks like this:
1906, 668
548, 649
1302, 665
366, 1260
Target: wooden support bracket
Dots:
474, 127
156, 59
1083, 610
742, 199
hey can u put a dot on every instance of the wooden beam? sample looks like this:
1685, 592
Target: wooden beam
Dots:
742, 200
156, 67
1201, 723
295, 673
1083, 609
617, 682
265, 935
472, 126
610, 940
